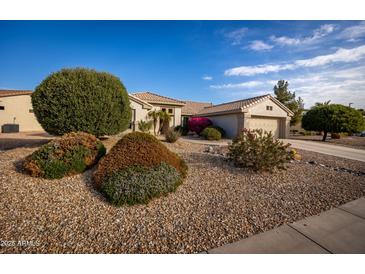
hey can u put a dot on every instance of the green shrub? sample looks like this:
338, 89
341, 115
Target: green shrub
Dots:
184, 130
145, 126
172, 135
71, 154
221, 130
80, 99
137, 148
210, 133
138, 184
259, 151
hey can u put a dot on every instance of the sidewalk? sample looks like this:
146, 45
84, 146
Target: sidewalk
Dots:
339, 230
329, 149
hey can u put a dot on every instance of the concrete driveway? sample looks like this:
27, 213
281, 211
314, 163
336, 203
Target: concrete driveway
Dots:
334, 150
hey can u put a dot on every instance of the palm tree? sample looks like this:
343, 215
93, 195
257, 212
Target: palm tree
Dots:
164, 121
154, 115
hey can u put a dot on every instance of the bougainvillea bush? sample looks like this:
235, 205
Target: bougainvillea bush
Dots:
198, 124
138, 168
71, 154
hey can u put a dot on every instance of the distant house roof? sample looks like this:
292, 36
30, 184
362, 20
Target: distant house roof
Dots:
192, 107
240, 106
139, 101
154, 98
8, 93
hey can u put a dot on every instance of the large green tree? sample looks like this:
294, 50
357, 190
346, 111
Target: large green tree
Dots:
287, 98
333, 118
82, 100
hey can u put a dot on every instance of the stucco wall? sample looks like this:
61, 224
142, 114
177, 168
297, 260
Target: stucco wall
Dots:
18, 107
228, 122
260, 109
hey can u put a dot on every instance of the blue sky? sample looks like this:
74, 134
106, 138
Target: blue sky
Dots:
214, 61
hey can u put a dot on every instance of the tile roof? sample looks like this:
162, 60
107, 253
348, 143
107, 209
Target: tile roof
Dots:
237, 106
8, 93
192, 107
151, 98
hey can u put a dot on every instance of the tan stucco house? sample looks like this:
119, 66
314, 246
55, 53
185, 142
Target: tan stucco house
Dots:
172, 106
16, 108
261, 112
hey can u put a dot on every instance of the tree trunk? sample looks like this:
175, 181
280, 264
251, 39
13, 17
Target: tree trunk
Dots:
324, 136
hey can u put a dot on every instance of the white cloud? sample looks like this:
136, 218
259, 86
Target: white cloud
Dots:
354, 32
236, 36
317, 34
207, 78
249, 84
259, 45
286, 41
341, 55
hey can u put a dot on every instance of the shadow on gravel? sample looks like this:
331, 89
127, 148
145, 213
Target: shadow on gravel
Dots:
10, 143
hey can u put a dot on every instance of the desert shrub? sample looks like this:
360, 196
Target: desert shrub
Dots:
198, 124
221, 130
210, 133
184, 130
139, 184
335, 135
172, 135
145, 126
72, 100
140, 149
259, 151
71, 154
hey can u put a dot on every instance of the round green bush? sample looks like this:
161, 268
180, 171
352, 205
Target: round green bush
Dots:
71, 154
210, 133
81, 99
172, 135
221, 130
138, 185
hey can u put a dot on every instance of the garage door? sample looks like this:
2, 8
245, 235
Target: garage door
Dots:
268, 124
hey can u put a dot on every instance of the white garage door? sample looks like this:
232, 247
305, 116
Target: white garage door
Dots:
268, 124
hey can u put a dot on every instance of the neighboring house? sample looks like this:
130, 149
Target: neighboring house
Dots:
261, 112
192, 108
171, 106
16, 108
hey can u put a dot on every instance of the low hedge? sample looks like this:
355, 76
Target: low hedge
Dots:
221, 130
210, 133
137, 148
71, 154
138, 184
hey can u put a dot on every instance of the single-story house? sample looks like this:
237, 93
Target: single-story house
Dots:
171, 106
261, 112
16, 108
192, 108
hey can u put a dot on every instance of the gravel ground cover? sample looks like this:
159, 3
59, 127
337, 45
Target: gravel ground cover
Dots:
217, 204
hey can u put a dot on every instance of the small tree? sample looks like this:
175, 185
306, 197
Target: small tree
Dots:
333, 118
145, 126
164, 121
287, 98
154, 115
72, 100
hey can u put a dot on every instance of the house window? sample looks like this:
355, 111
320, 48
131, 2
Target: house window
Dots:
170, 111
163, 109
269, 108
2, 108
30, 110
